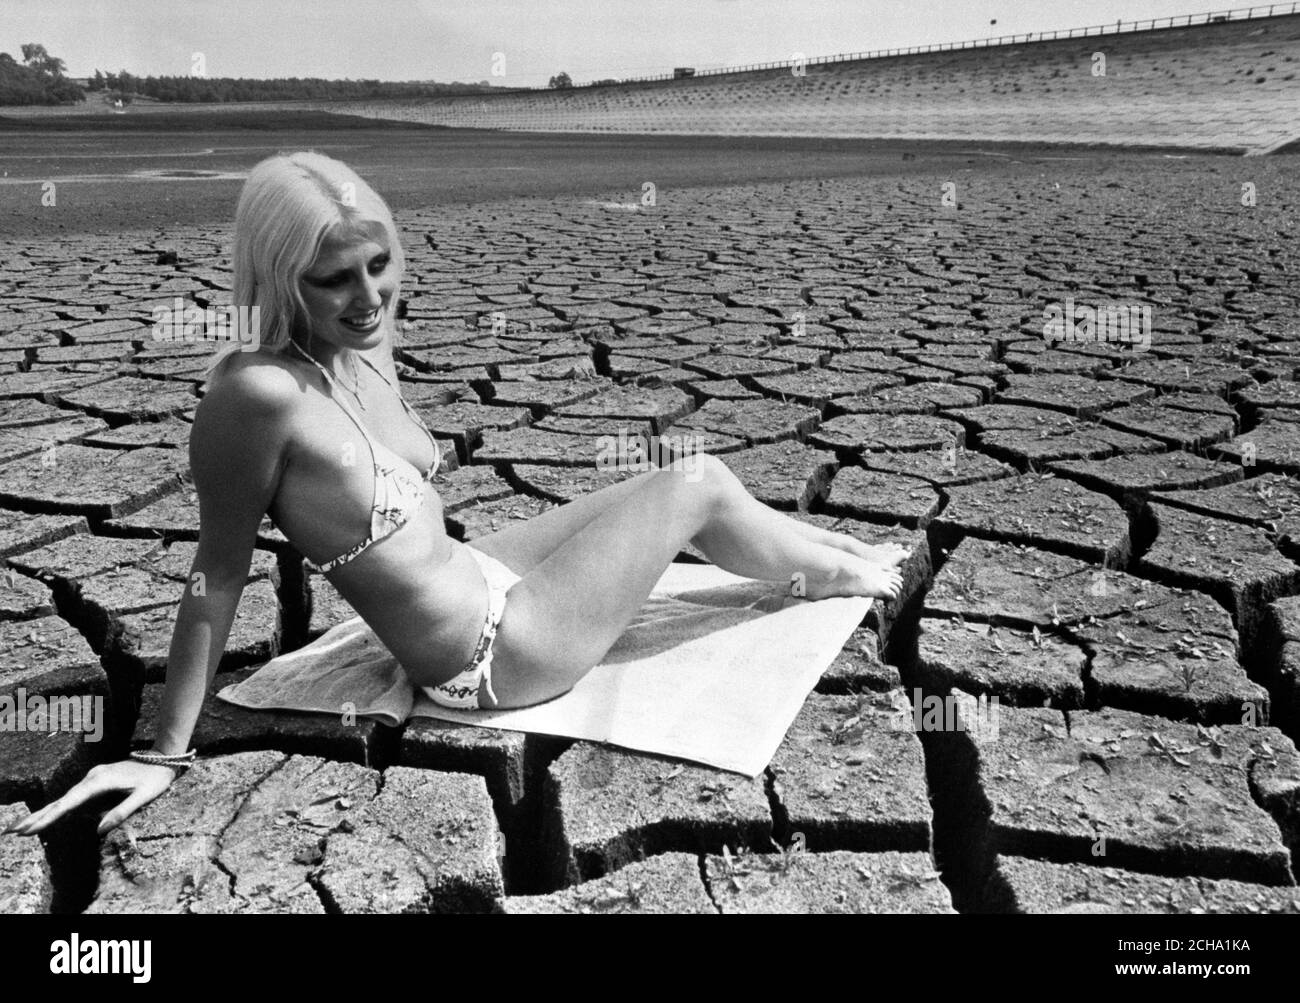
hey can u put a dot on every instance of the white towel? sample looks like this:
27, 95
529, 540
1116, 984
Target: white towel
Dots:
713, 670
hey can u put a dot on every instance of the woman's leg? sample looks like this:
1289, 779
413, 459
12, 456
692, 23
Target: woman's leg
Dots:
887, 555
565, 613
524, 546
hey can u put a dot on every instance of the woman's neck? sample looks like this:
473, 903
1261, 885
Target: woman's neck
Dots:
340, 361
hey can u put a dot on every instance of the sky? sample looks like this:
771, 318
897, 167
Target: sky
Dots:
448, 40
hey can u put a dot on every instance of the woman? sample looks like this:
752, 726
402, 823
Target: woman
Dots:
311, 429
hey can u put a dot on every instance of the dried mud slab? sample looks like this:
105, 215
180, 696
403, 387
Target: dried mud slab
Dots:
1035, 886
1001, 583
1185, 376
1278, 659
755, 422
1156, 662
951, 467
464, 422
785, 475
1041, 511
129, 398
531, 445
37, 766
544, 396
261, 832
850, 775
1132, 479
20, 531
483, 519
427, 843
499, 756
662, 407
1074, 395
1175, 427
1281, 396
875, 496
818, 387
858, 668
606, 808
170, 433
828, 883
1269, 501
1021, 668
914, 398
666, 884
566, 484
1271, 445
98, 483
1166, 798
1235, 563
48, 655
1148, 647
852, 434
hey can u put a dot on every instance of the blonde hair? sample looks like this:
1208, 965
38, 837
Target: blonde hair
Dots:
286, 207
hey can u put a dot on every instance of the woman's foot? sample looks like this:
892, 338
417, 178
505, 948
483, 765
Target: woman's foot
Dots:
857, 577
882, 555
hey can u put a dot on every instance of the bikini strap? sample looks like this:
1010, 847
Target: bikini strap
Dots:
410, 410
415, 415
338, 399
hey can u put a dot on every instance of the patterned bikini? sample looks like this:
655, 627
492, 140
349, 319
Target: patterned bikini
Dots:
399, 494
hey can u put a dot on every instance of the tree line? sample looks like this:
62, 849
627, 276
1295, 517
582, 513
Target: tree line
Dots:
39, 79
223, 89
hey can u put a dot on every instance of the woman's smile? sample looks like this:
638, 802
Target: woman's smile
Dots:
364, 323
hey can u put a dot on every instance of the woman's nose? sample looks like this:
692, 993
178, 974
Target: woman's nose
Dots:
370, 293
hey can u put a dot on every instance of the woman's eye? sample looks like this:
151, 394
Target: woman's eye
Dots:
377, 267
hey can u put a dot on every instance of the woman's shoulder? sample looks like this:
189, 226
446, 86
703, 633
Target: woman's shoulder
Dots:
257, 390
260, 377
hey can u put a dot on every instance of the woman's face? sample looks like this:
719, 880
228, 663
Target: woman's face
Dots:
351, 288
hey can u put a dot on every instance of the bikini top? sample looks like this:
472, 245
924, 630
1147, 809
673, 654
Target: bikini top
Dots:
399, 490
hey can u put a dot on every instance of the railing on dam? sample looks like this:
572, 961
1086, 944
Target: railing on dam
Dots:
1119, 27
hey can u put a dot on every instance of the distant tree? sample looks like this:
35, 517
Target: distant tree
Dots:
35, 57
560, 81
38, 80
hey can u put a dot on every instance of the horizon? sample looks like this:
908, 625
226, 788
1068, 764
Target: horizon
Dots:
587, 39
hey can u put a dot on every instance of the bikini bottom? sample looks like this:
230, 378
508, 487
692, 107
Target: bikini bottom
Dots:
462, 691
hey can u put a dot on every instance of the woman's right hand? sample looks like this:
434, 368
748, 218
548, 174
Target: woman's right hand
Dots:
142, 781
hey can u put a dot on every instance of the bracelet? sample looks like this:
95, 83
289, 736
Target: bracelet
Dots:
182, 761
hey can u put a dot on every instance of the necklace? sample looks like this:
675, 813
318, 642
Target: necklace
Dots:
355, 389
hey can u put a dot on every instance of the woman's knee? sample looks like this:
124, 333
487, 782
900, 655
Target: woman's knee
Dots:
702, 477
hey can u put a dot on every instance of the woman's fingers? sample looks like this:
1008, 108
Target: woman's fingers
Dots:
90, 787
138, 799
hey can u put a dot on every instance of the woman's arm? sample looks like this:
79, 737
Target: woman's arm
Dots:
237, 450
